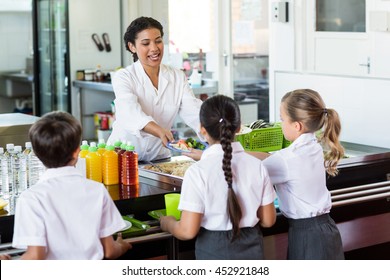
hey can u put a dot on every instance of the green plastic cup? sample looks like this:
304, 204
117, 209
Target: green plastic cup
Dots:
171, 204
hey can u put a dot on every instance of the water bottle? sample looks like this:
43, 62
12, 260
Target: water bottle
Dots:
1, 171
35, 169
94, 164
27, 150
7, 171
19, 163
130, 166
110, 166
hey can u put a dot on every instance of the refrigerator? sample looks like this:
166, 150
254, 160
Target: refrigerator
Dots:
51, 59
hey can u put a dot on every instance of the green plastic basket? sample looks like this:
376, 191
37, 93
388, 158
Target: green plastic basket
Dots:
262, 140
286, 143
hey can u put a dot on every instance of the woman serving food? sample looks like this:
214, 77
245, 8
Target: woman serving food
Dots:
149, 95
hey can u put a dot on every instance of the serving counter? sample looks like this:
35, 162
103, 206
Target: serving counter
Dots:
361, 209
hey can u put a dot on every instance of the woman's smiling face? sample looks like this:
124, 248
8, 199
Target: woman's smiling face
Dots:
149, 47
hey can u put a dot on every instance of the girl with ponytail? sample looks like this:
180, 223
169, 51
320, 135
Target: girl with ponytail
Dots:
299, 175
227, 195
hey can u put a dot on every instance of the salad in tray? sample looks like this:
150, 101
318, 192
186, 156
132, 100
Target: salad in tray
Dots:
186, 145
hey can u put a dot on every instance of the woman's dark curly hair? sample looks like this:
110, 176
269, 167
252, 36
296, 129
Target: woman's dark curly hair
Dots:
135, 27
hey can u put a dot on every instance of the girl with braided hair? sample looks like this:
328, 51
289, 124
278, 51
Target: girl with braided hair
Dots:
227, 195
299, 175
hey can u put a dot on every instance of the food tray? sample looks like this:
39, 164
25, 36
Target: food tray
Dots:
156, 214
132, 231
262, 140
145, 171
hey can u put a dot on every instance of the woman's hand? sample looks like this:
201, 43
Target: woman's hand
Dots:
195, 154
164, 134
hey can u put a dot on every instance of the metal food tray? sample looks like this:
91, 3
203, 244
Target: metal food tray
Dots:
159, 176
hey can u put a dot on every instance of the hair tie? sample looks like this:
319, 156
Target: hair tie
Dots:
325, 111
221, 120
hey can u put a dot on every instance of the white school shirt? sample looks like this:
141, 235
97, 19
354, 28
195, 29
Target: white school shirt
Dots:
137, 103
299, 176
67, 214
204, 189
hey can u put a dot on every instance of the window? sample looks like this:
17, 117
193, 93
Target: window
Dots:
341, 16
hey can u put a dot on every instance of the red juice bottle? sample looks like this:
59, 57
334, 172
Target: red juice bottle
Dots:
120, 152
130, 166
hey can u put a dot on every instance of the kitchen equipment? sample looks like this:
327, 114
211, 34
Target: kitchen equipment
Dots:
14, 128
97, 42
106, 41
239, 96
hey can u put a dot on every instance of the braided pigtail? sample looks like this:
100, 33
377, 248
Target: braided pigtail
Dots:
233, 207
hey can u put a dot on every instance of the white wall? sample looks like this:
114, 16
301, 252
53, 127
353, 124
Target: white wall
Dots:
16, 39
94, 16
85, 18
362, 102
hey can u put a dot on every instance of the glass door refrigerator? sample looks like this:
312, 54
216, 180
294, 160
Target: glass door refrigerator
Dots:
51, 60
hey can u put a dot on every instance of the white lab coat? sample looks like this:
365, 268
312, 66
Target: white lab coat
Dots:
137, 102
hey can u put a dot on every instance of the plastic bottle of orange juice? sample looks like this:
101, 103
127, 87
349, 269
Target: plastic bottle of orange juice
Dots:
101, 147
94, 164
110, 166
84, 149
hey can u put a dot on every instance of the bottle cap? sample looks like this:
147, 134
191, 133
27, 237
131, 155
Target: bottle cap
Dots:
129, 148
28, 145
101, 144
84, 147
9, 146
110, 148
117, 143
92, 148
18, 148
1, 150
